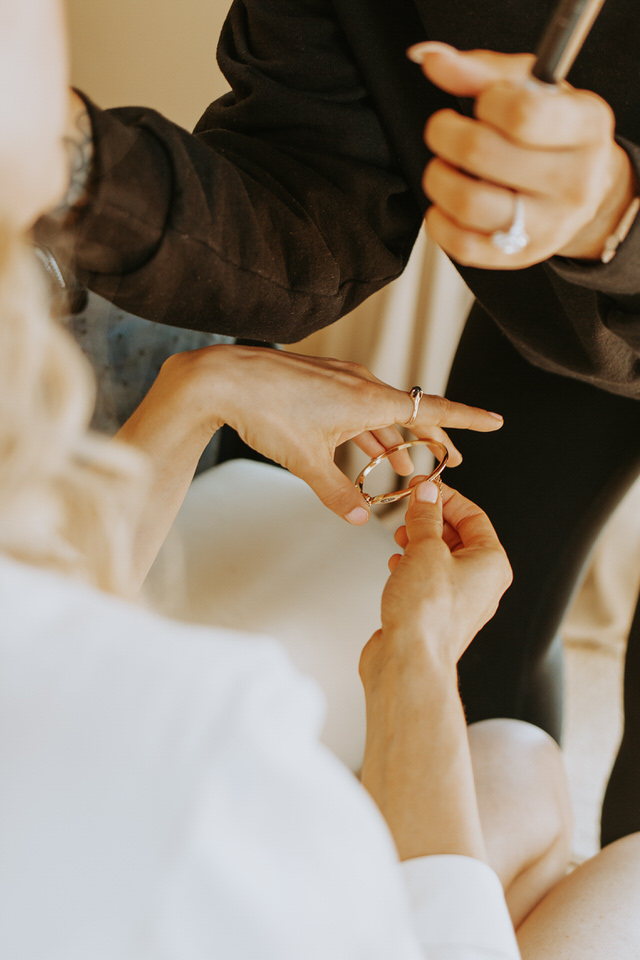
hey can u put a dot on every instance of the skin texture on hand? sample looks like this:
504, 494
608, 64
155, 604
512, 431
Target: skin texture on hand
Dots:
552, 146
297, 410
417, 765
293, 409
450, 579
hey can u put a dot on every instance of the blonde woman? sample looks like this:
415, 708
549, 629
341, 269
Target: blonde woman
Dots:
162, 791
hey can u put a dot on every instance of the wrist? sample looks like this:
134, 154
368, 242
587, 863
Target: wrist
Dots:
591, 241
396, 660
194, 380
177, 416
417, 767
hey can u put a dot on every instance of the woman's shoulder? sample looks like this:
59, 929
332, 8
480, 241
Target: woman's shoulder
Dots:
62, 629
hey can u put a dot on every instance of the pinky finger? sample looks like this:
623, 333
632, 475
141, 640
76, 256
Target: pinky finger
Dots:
394, 561
376, 442
369, 444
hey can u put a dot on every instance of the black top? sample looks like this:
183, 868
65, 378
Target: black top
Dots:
299, 194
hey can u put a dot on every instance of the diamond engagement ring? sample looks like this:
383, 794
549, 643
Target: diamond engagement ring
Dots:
516, 237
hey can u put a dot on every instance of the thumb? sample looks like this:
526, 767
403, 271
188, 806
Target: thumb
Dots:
339, 494
468, 73
424, 516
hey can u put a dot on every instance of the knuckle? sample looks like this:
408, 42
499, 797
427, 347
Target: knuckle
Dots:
352, 367
369, 656
473, 147
521, 121
576, 194
462, 247
469, 208
441, 407
503, 569
370, 394
334, 498
582, 193
433, 181
600, 119
424, 526
437, 126
426, 187
359, 384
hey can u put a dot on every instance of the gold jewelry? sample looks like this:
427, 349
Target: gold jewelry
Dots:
614, 239
416, 395
441, 452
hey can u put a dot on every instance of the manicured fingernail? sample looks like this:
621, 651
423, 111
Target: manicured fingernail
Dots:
427, 492
416, 52
498, 416
358, 516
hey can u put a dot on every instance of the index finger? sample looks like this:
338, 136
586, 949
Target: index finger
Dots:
441, 412
466, 73
545, 118
468, 520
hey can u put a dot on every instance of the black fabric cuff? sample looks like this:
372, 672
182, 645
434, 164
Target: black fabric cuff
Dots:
122, 225
621, 277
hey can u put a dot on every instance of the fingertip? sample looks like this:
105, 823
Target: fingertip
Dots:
418, 50
427, 492
393, 562
402, 463
358, 516
464, 73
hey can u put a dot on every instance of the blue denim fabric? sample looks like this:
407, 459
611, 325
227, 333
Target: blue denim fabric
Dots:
126, 354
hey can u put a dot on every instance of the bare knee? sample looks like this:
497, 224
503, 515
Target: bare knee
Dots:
524, 807
523, 756
514, 736
593, 912
625, 852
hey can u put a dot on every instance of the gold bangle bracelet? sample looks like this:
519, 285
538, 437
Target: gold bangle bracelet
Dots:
614, 240
440, 451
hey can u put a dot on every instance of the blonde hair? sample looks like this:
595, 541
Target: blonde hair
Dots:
69, 499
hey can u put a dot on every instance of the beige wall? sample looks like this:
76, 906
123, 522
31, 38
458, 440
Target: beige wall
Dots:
157, 53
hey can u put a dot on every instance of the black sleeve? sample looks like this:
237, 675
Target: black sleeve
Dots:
281, 213
615, 292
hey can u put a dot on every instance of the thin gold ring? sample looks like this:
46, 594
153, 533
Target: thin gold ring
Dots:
416, 395
441, 452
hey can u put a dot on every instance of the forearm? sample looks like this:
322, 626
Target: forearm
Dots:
417, 765
172, 428
246, 227
227, 234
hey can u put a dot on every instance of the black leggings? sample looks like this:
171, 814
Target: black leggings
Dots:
567, 454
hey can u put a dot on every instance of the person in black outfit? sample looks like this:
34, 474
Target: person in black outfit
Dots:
301, 192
